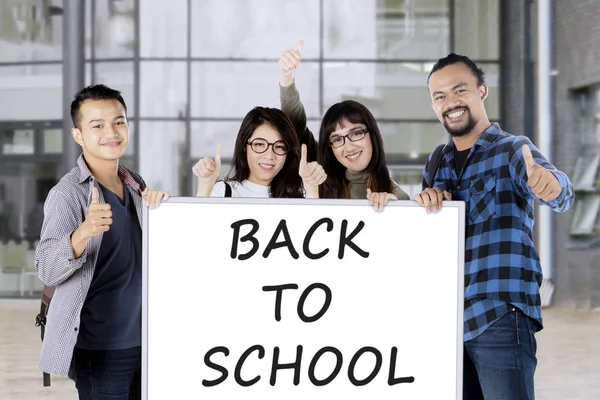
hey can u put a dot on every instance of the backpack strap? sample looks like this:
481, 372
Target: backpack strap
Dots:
40, 319
227, 189
434, 164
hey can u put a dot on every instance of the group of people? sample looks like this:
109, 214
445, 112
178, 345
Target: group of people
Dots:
90, 246
276, 155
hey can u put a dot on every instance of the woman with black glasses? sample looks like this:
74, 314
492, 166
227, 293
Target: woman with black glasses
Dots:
350, 146
267, 162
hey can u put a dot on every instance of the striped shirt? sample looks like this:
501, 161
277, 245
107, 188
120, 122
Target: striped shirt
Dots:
64, 211
502, 266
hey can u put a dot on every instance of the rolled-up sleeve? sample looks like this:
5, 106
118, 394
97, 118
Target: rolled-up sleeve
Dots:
54, 258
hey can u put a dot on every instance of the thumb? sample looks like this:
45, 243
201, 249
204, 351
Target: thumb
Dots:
447, 195
528, 157
303, 158
95, 196
218, 156
369, 193
300, 46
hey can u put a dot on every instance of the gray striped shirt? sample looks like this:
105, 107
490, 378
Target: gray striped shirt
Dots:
65, 209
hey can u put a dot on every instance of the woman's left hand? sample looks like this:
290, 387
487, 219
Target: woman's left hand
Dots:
379, 199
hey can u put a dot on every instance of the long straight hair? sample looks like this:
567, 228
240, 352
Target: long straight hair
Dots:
337, 186
287, 183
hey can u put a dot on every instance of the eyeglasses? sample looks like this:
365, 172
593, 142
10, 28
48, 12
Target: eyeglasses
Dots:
260, 145
354, 136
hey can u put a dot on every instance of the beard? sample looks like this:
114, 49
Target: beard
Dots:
461, 130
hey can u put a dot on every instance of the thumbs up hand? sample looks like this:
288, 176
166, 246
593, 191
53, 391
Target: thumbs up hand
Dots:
312, 174
207, 170
288, 63
543, 183
99, 217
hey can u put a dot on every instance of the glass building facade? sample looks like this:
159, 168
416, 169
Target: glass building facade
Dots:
189, 71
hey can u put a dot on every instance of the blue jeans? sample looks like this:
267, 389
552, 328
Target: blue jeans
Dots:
500, 363
111, 374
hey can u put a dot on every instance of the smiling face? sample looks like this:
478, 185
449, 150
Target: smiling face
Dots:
457, 99
103, 132
355, 156
265, 166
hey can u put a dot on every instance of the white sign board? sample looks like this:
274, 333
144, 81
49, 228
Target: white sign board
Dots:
302, 299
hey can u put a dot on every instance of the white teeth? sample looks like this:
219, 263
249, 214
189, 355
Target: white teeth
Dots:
267, 166
354, 156
456, 114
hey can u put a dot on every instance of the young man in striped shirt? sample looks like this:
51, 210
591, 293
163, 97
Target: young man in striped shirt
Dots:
91, 250
500, 177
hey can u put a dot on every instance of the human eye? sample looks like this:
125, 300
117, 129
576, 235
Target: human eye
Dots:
281, 147
335, 140
259, 144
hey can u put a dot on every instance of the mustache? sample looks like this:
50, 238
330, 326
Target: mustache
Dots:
456, 109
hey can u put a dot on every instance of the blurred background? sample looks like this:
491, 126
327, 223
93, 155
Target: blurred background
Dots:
189, 70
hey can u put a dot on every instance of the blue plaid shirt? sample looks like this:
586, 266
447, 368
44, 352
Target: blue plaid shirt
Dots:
502, 266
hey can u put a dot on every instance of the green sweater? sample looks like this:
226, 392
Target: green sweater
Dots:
293, 108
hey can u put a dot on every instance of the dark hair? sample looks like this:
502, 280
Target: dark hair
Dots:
336, 186
287, 183
93, 92
453, 58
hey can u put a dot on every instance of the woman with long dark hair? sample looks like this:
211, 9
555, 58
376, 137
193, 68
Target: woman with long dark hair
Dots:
350, 146
267, 162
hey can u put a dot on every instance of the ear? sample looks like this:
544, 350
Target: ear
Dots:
483, 92
77, 136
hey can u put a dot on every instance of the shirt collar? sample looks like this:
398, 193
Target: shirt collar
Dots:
484, 141
124, 174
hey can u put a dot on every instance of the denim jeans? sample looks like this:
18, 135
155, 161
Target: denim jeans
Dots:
112, 374
500, 363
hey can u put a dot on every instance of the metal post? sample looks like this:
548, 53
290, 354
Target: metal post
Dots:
73, 73
544, 137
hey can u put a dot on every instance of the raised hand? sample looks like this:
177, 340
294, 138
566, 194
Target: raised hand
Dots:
543, 183
207, 170
312, 174
288, 63
99, 217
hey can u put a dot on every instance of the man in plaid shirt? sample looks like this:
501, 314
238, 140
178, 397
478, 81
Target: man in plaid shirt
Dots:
499, 176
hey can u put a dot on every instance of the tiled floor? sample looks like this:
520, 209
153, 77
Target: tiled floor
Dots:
568, 356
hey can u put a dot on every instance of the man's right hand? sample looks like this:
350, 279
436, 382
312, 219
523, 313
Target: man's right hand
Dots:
99, 217
98, 220
288, 63
431, 198
207, 170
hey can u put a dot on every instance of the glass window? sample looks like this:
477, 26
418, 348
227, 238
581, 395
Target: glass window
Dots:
206, 135
28, 32
114, 28
53, 140
163, 89
386, 29
585, 218
585, 176
163, 28
410, 143
254, 28
231, 89
393, 90
164, 141
30, 92
476, 25
116, 75
18, 141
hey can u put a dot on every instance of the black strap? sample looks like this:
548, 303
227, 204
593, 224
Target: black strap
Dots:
40, 320
227, 189
434, 164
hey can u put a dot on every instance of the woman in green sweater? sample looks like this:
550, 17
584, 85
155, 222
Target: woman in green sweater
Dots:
350, 146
